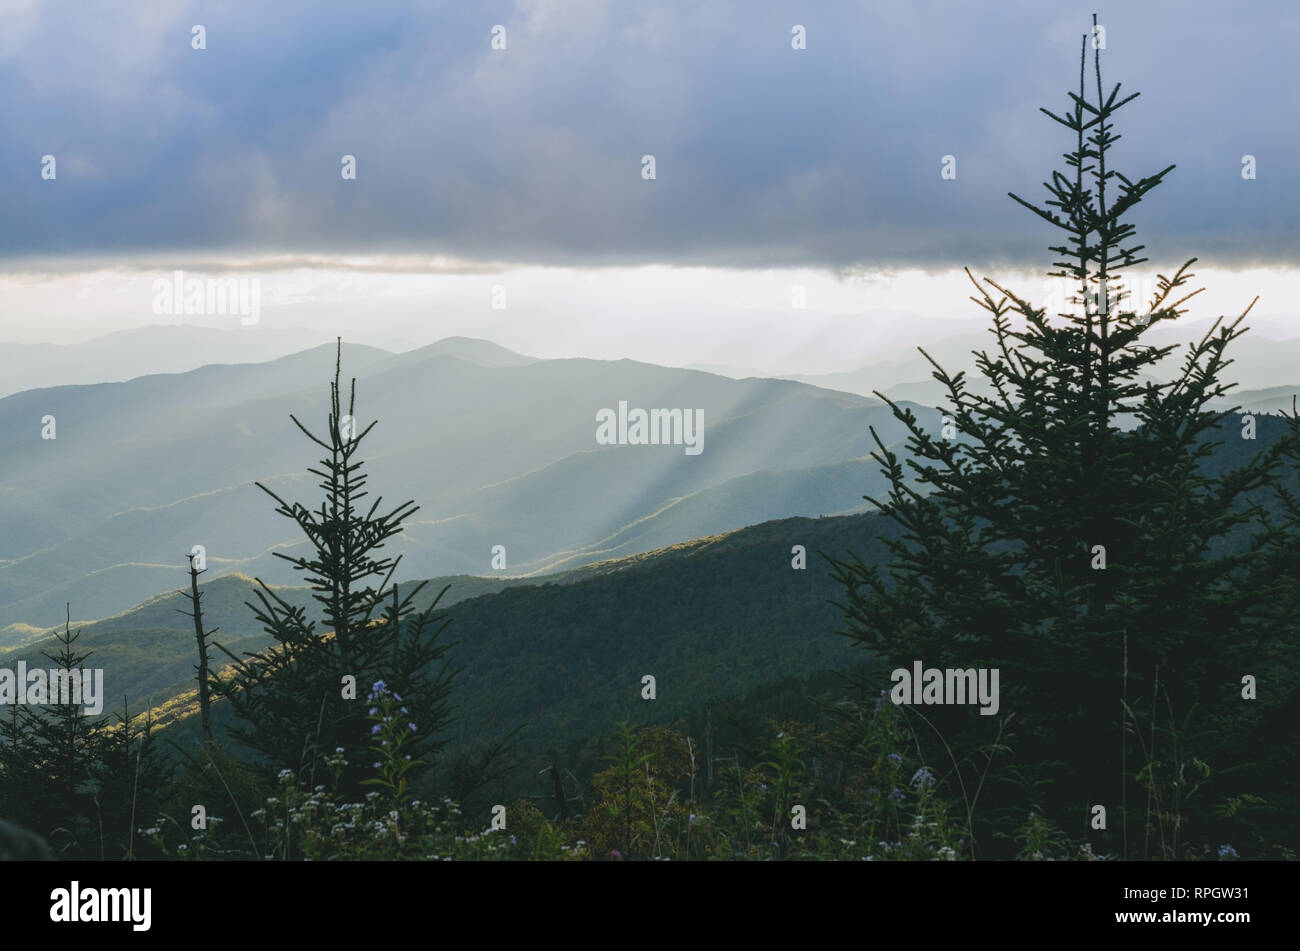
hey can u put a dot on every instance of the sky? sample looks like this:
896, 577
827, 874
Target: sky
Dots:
524, 168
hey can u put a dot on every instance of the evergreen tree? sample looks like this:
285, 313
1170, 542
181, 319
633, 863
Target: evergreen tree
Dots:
46, 755
295, 698
73, 778
1072, 534
130, 780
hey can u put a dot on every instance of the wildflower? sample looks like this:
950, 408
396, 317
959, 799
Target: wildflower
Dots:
922, 778
894, 758
338, 749
615, 854
897, 795
1227, 852
376, 765
375, 729
412, 726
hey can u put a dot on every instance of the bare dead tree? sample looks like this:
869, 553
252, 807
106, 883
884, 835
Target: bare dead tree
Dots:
201, 638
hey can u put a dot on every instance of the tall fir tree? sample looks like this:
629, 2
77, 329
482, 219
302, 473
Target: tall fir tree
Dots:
304, 696
1075, 533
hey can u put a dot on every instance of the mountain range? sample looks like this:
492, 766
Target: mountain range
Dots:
621, 559
498, 449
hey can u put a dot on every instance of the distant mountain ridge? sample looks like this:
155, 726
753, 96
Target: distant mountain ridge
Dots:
497, 449
127, 354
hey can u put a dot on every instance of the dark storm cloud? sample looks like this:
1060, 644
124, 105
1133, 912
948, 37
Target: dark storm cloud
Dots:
765, 155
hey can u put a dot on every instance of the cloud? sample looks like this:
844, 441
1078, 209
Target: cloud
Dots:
765, 156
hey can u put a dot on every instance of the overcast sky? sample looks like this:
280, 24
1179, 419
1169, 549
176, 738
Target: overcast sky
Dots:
474, 163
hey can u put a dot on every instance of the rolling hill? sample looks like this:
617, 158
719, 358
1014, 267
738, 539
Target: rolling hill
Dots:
716, 616
497, 449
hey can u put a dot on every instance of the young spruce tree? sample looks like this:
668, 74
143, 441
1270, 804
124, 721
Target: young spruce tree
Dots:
46, 753
297, 698
71, 777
